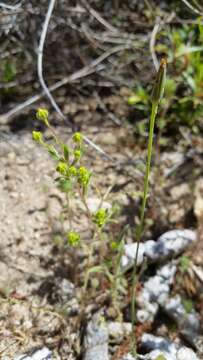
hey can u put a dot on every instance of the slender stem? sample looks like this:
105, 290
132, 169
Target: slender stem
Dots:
141, 224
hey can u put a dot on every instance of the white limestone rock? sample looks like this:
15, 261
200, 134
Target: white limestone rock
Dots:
128, 258
155, 292
168, 245
189, 323
96, 339
39, 354
185, 353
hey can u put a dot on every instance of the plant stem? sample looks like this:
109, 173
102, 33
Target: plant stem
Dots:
141, 224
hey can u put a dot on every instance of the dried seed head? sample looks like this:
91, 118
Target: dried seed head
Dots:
158, 89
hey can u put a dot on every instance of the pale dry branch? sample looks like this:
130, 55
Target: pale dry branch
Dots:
98, 17
152, 45
85, 71
10, 7
40, 61
42, 81
191, 7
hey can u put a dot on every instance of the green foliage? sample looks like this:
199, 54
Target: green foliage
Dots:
52, 151
184, 264
159, 85
188, 305
77, 154
9, 72
182, 104
73, 178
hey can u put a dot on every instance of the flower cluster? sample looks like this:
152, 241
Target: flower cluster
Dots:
37, 136
83, 176
100, 217
71, 172
77, 138
43, 114
73, 238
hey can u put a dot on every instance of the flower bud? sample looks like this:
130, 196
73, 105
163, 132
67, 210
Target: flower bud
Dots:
37, 136
43, 114
77, 137
77, 154
100, 217
83, 176
73, 238
72, 171
62, 168
158, 89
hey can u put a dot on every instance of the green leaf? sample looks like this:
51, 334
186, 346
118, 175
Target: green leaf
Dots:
66, 152
9, 72
65, 185
188, 305
53, 152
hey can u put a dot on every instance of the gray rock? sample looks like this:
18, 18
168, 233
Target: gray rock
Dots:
158, 346
117, 330
170, 244
155, 292
151, 342
185, 353
67, 289
96, 339
189, 323
128, 357
129, 255
95, 204
39, 354
148, 313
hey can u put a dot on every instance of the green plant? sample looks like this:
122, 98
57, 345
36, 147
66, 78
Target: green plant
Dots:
157, 95
188, 305
160, 357
182, 104
74, 179
184, 264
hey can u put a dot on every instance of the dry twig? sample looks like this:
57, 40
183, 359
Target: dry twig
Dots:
152, 45
191, 7
42, 81
10, 7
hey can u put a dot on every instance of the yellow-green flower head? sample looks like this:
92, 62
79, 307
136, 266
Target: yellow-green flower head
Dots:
100, 217
72, 171
77, 137
37, 136
62, 168
114, 245
77, 154
73, 238
83, 176
42, 114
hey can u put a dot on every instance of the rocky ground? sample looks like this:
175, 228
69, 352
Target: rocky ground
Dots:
39, 307
106, 56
